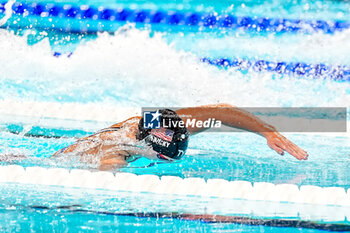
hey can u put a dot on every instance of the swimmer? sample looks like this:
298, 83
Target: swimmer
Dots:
121, 143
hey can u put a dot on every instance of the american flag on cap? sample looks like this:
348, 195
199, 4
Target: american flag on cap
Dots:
165, 134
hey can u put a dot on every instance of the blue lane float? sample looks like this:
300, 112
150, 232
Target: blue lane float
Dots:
195, 19
338, 73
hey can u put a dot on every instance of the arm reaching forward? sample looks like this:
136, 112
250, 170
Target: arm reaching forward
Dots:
241, 119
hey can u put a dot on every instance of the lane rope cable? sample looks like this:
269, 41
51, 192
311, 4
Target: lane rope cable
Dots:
194, 19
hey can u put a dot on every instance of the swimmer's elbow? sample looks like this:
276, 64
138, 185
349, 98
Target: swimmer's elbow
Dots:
219, 105
225, 105
59, 152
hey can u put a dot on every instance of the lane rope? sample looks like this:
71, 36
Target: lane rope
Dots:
194, 19
338, 73
220, 188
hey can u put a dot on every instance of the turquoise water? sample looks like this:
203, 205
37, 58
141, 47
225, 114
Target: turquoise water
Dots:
85, 210
229, 156
122, 69
100, 210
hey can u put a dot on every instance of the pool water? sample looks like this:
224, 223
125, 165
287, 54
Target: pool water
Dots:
229, 156
121, 70
76, 209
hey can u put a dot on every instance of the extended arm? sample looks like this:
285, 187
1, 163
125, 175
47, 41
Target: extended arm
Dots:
239, 118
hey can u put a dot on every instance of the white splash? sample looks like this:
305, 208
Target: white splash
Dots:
132, 68
8, 12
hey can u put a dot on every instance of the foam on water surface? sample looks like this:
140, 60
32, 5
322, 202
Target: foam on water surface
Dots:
126, 68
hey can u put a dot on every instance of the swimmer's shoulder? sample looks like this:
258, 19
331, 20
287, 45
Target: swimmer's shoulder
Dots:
105, 133
131, 120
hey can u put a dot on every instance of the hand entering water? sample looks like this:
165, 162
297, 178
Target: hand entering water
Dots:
279, 143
